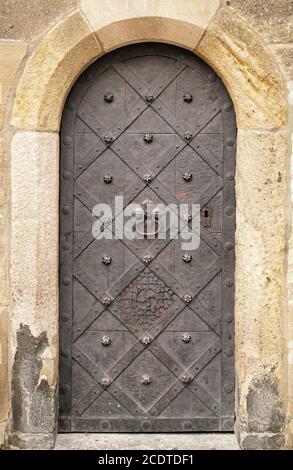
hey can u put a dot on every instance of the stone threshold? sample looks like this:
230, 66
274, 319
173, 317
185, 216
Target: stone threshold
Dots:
103, 441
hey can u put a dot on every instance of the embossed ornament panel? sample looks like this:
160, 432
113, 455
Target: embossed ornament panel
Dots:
146, 327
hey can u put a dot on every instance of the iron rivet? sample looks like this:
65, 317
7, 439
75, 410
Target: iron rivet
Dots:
66, 210
228, 424
106, 340
108, 139
229, 282
187, 176
229, 176
66, 246
229, 142
211, 77
187, 425
187, 135
149, 97
66, 281
228, 388
148, 138
186, 338
146, 425
227, 107
147, 177
66, 175
67, 141
229, 246
229, 352
187, 97
108, 97
80, 167
229, 210
108, 178
187, 258
106, 260
228, 318
146, 379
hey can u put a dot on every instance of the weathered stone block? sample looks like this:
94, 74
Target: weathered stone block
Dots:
260, 238
125, 22
101, 13
284, 56
11, 56
233, 49
54, 65
34, 246
25, 20
273, 19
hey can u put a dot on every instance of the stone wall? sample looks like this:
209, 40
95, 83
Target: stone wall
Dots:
44, 46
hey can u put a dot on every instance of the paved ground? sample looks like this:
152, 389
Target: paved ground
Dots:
146, 441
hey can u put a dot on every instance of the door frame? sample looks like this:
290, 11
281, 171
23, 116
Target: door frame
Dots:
261, 201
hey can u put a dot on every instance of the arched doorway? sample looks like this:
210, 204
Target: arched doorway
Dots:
146, 327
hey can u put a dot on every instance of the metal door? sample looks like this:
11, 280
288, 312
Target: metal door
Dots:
147, 342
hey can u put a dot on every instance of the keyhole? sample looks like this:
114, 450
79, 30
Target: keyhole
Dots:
146, 228
205, 212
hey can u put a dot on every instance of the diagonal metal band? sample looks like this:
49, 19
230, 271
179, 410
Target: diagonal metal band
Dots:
178, 386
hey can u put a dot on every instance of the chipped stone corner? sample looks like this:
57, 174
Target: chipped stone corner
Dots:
266, 417
259, 441
265, 408
33, 399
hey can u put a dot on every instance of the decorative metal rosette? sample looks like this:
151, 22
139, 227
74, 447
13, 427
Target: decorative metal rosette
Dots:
108, 178
106, 340
186, 379
147, 258
106, 301
187, 135
187, 258
149, 97
146, 340
187, 298
187, 217
187, 97
147, 177
108, 97
106, 260
146, 379
186, 338
108, 139
148, 138
105, 382
187, 176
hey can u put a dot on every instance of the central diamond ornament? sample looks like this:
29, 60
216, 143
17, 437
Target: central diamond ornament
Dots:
144, 301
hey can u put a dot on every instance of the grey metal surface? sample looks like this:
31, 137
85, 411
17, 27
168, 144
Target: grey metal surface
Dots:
146, 329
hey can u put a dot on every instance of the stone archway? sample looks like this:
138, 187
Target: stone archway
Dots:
234, 50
